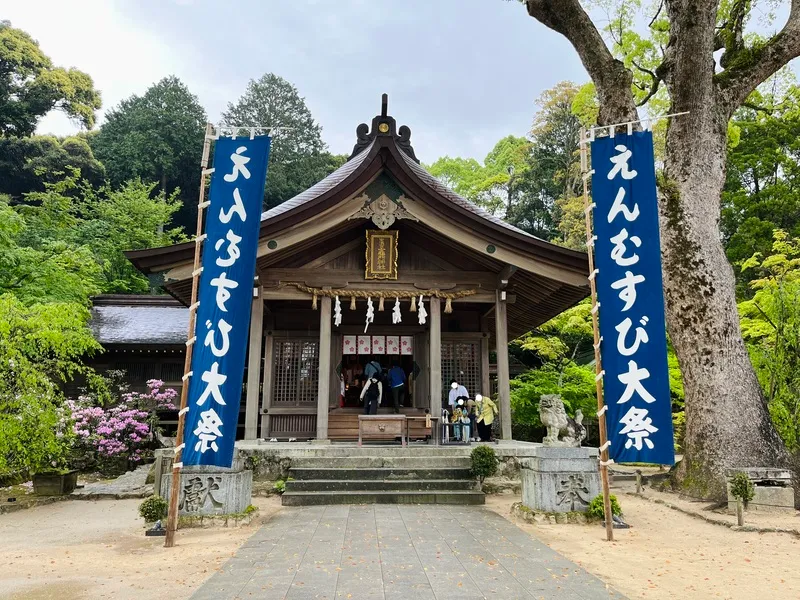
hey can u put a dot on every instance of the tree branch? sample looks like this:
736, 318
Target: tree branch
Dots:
611, 79
656, 82
749, 67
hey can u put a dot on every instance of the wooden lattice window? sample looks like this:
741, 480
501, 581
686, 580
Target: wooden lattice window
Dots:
461, 361
172, 372
296, 372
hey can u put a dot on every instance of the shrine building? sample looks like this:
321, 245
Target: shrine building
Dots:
382, 230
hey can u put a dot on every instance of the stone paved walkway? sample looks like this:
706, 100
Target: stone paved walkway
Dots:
397, 552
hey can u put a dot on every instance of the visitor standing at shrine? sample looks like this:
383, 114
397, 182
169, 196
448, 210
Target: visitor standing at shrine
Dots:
397, 381
457, 391
487, 410
371, 395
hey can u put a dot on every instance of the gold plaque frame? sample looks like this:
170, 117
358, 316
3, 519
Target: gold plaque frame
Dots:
381, 254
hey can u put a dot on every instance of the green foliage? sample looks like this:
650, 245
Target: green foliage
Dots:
29, 163
280, 485
484, 462
39, 346
679, 430
30, 86
68, 243
37, 269
763, 178
574, 383
488, 184
153, 508
770, 324
156, 137
553, 174
742, 488
298, 157
596, 510
540, 194
564, 336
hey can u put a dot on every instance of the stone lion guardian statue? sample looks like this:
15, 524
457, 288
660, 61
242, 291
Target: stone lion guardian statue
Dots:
561, 429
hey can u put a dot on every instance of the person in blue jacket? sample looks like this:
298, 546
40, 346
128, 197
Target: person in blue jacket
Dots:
397, 383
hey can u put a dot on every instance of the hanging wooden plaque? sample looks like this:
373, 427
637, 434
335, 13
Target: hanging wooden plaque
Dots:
381, 254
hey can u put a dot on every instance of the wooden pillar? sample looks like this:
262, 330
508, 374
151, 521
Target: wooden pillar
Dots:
324, 377
269, 374
503, 386
435, 356
254, 366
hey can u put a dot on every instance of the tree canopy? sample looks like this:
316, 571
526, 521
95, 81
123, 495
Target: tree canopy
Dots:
298, 157
67, 243
156, 137
28, 163
31, 86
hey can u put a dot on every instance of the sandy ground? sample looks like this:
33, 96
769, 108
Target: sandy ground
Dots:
667, 554
81, 549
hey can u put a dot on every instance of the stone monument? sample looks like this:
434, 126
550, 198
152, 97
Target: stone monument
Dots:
209, 490
561, 476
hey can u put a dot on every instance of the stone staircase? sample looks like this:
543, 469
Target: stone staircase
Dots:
383, 478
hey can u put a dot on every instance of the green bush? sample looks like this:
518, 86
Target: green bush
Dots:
742, 488
596, 511
280, 485
153, 508
484, 462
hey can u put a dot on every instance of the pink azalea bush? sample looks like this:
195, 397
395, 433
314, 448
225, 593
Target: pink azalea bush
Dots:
123, 431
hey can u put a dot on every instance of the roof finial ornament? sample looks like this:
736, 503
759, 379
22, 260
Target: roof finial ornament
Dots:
384, 126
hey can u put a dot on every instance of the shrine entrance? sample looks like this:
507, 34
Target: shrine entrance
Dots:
353, 378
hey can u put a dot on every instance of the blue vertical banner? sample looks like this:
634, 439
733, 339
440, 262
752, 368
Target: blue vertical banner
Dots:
629, 290
225, 295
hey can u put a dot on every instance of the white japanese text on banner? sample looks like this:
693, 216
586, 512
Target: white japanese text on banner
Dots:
225, 295
629, 291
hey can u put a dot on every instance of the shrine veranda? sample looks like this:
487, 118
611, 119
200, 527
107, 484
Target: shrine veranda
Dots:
380, 230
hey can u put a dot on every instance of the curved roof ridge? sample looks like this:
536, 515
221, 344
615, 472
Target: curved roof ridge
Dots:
322, 186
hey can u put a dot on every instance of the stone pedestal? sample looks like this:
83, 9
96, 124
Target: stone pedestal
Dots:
560, 480
211, 490
773, 489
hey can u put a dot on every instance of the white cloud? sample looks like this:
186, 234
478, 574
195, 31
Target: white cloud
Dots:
95, 38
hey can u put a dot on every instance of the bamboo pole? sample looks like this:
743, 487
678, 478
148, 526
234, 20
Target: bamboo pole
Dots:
172, 519
598, 368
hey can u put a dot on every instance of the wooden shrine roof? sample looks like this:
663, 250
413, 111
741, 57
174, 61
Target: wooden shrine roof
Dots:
548, 278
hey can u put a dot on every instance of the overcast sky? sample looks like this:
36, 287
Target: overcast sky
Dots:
461, 73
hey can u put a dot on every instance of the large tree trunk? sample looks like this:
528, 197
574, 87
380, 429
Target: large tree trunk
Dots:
727, 421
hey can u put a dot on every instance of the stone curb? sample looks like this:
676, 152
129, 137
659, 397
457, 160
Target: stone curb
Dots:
8, 508
713, 521
110, 496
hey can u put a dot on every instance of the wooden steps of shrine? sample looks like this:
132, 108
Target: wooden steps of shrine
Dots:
381, 480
